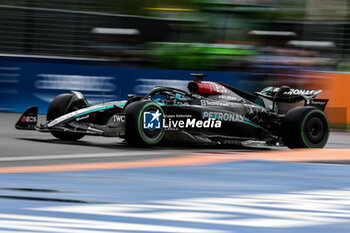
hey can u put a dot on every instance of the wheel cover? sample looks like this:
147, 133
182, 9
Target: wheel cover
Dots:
150, 123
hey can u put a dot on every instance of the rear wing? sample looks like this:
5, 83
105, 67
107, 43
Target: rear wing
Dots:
285, 91
286, 94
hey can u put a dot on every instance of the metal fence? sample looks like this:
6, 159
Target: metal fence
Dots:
90, 29
67, 33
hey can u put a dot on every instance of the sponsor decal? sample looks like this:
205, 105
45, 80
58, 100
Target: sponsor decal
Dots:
29, 119
227, 97
119, 118
317, 102
152, 120
82, 118
214, 103
299, 92
296, 91
223, 116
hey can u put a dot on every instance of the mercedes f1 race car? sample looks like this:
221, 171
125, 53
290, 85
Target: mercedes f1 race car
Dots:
209, 113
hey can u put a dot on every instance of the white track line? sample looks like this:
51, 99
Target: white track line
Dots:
120, 154
78, 156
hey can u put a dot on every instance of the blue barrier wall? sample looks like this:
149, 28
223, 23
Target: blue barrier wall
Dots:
36, 81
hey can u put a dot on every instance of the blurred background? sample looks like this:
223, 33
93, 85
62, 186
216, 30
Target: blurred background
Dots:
107, 49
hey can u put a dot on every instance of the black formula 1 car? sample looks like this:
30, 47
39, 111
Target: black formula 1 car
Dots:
210, 113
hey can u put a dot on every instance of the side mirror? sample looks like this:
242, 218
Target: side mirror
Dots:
130, 96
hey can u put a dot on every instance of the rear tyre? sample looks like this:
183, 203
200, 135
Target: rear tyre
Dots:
57, 108
144, 123
305, 127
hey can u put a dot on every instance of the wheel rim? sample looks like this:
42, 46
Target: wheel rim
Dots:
315, 130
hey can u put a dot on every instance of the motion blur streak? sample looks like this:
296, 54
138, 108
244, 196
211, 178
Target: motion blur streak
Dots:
271, 42
108, 49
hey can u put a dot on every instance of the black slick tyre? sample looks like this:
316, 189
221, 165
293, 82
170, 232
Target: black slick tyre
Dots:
305, 127
57, 108
137, 130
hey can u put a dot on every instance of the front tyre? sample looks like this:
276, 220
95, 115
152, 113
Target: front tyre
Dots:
305, 127
57, 108
144, 123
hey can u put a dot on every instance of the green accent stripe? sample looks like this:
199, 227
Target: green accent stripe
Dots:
247, 122
121, 104
95, 110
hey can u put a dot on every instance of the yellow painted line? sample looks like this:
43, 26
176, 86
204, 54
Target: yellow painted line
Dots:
168, 9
